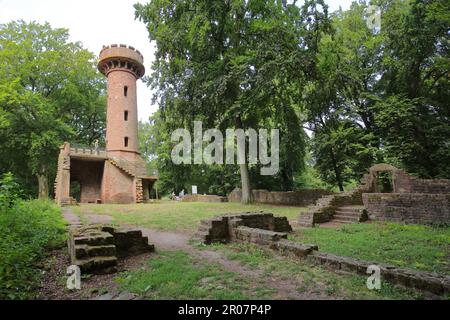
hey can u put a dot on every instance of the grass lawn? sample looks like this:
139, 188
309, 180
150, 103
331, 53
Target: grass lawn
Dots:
176, 275
310, 278
177, 215
411, 246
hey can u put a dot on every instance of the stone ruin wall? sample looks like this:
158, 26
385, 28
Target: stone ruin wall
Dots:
413, 200
419, 208
300, 198
271, 232
204, 198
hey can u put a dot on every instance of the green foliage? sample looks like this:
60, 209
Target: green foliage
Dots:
410, 246
234, 64
28, 229
10, 191
175, 275
50, 92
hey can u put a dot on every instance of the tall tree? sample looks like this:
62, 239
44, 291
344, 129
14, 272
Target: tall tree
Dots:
50, 92
234, 63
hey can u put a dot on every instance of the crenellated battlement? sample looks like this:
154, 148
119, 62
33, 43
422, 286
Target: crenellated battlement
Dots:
121, 56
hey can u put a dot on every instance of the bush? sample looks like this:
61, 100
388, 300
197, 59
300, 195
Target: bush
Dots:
27, 230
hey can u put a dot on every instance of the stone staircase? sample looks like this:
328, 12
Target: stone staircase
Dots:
97, 248
134, 169
350, 214
92, 250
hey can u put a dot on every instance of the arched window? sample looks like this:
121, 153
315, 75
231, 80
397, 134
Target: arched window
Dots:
125, 115
125, 91
125, 141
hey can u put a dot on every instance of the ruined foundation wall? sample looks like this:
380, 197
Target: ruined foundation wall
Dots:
302, 197
405, 183
420, 208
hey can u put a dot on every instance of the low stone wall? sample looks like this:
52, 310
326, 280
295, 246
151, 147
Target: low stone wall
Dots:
258, 236
404, 183
431, 282
420, 208
271, 232
301, 198
221, 228
204, 198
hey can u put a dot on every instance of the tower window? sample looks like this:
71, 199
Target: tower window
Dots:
125, 115
125, 141
125, 91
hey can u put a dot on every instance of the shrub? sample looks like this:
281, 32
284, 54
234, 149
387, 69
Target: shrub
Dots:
27, 230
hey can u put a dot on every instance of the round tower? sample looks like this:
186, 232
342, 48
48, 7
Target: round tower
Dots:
123, 66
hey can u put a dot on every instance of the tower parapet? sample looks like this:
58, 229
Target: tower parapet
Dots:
123, 57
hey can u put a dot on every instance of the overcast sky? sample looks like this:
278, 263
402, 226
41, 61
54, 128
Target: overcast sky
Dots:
100, 22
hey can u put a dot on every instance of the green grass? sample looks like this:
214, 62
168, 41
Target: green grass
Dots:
176, 275
411, 246
27, 231
311, 279
177, 215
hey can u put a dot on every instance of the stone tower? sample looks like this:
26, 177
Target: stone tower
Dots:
119, 173
122, 66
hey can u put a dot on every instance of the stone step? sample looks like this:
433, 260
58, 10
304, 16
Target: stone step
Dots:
95, 239
83, 251
348, 213
342, 221
345, 218
97, 264
352, 207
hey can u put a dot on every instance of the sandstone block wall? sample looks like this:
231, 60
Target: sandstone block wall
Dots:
420, 208
204, 198
404, 183
222, 228
96, 248
302, 197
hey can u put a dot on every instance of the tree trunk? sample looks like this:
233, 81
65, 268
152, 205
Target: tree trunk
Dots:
43, 183
337, 172
245, 183
245, 176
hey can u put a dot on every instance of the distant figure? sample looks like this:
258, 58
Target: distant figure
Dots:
96, 145
182, 193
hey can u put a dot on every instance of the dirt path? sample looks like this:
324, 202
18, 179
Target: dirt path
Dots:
173, 241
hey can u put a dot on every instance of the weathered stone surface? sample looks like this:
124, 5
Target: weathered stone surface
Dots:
420, 280
204, 198
221, 229
294, 248
302, 197
413, 200
96, 248
420, 208
258, 236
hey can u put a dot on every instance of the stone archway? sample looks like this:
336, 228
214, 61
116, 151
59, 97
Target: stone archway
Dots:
383, 178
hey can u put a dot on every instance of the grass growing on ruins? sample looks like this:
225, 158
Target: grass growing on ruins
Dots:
176, 275
177, 215
310, 278
27, 230
411, 246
